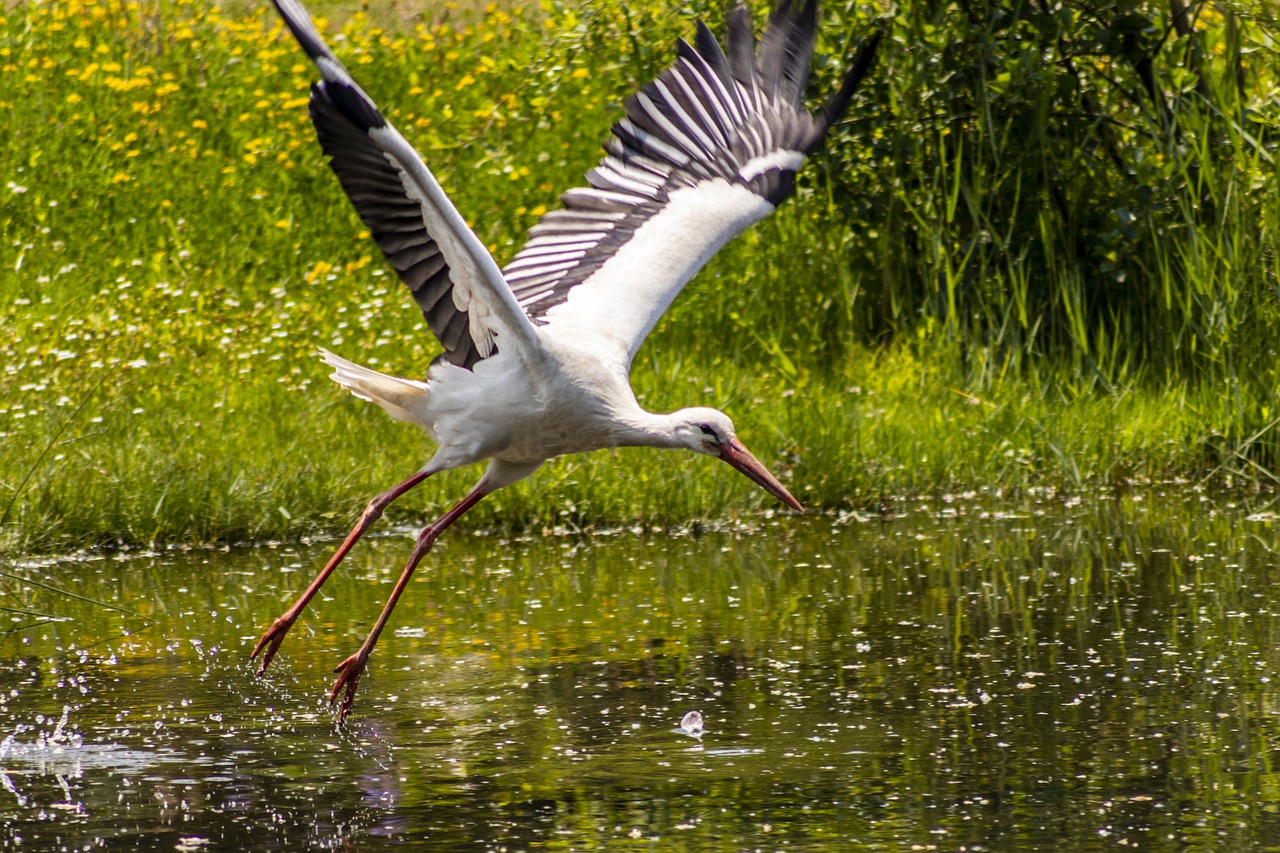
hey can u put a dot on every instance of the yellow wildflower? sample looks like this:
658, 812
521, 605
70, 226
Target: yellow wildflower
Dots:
321, 268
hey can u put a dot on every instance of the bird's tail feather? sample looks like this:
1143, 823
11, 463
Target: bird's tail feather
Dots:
403, 399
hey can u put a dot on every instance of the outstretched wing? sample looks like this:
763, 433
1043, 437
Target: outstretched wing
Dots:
707, 149
452, 276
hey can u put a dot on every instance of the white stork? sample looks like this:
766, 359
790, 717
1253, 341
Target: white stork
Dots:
537, 354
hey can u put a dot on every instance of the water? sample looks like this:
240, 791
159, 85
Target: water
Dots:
952, 675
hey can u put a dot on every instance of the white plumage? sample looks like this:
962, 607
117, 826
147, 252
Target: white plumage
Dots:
537, 355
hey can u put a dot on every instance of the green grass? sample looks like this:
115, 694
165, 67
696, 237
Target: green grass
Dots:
1001, 274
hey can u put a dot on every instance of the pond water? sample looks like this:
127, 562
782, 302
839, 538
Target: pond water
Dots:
950, 675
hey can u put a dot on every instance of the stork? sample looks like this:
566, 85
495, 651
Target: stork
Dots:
537, 354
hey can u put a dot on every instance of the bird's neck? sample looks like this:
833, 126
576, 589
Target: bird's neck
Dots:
641, 428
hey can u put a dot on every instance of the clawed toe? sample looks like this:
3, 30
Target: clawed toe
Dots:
271, 641
349, 672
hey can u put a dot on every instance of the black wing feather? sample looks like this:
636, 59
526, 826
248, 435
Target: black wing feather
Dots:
704, 119
373, 184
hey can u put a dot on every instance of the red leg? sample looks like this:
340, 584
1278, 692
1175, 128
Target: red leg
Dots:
349, 670
274, 636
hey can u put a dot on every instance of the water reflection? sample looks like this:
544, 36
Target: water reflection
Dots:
1062, 676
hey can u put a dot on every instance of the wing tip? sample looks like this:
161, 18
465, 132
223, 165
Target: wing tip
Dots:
300, 24
863, 60
339, 88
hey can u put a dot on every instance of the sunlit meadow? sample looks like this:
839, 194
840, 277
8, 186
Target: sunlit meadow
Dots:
175, 250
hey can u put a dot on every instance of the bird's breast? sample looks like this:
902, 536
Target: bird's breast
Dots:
505, 411
567, 421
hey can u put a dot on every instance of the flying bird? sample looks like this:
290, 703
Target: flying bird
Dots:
537, 354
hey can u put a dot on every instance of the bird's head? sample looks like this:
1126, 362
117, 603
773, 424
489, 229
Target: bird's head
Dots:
711, 432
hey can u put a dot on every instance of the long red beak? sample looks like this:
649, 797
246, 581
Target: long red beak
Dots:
740, 458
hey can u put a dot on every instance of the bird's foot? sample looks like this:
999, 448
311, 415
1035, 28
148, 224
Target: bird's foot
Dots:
271, 640
349, 672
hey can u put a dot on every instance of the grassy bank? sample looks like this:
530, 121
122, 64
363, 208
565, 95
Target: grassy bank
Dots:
1001, 274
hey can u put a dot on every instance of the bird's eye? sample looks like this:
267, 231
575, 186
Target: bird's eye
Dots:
707, 430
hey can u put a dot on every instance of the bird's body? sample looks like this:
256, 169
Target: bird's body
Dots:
537, 355
509, 410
